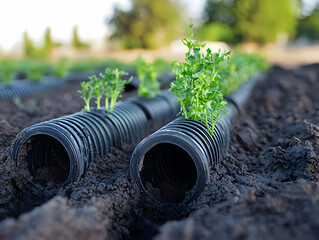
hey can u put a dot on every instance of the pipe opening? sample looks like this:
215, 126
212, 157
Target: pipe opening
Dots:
48, 161
168, 173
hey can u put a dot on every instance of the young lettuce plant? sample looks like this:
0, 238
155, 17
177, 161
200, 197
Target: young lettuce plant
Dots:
197, 84
87, 93
146, 72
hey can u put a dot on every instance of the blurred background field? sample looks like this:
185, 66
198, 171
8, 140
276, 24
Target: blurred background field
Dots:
285, 32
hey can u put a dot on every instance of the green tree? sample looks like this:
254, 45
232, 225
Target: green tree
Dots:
309, 25
262, 21
41, 52
217, 32
219, 11
250, 20
149, 24
48, 42
28, 46
76, 42
219, 21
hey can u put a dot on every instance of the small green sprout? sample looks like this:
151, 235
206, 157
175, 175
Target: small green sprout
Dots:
97, 84
239, 69
146, 72
197, 84
106, 79
116, 85
6, 72
61, 68
17, 101
87, 93
108, 84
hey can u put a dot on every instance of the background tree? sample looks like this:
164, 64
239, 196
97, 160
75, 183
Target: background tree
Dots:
249, 20
48, 42
76, 42
262, 21
309, 25
40, 52
149, 24
219, 11
28, 46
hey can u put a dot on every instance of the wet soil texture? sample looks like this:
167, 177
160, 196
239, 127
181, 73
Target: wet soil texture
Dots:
266, 187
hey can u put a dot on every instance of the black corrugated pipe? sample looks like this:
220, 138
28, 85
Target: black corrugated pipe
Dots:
62, 148
59, 151
171, 166
19, 88
158, 110
23, 87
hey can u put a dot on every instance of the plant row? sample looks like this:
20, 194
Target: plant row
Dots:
172, 165
35, 70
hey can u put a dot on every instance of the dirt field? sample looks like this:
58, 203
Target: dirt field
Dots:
266, 188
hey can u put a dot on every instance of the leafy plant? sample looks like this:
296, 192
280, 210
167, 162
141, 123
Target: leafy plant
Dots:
90, 64
197, 85
61, 68
87, 93
239, 69
35, 74
108, 84
17, 101
97, 90
146, 72
6, 72
113, 85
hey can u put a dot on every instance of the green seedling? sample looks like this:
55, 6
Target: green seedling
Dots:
61, 68
106, 79
6, 72
87, 93
108, 84
239, 69
113, 86
97, 90
149, 86
197, 85
17, 101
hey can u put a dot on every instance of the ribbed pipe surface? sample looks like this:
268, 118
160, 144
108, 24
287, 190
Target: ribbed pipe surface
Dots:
65, 146
158, 170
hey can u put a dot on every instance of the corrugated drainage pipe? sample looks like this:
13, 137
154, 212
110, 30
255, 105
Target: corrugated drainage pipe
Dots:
171, 166
59, 151
159, 110
19, 88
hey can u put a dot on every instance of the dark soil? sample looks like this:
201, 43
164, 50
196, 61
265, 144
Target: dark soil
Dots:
266, 187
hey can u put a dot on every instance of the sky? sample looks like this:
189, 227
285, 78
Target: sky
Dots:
34, 16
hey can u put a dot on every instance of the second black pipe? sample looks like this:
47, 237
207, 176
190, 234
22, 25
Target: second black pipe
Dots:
171, 166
